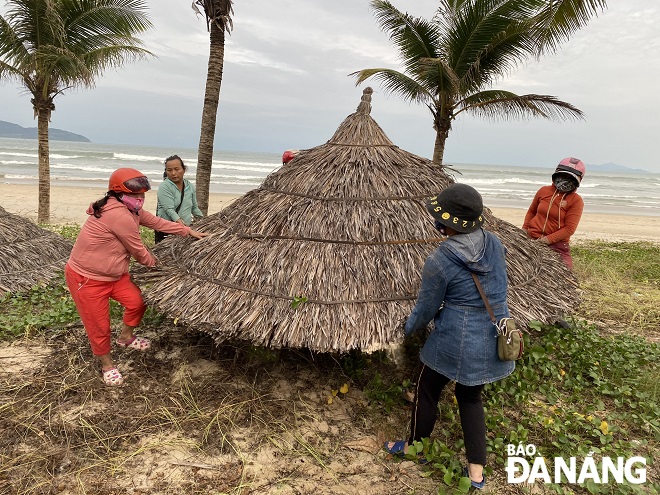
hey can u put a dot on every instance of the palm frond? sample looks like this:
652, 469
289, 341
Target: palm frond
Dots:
29, 255
109, 17
93, 42
18, 19
58, 64
414, 37
557, 20
216, 11
69, 42
449, 9
112, 56
11, 47
488, 37
9, 72
395, 82
35, 22
438, 76
467, 47
507, 50
505, 105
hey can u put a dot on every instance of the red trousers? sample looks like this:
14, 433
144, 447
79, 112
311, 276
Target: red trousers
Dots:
92, 298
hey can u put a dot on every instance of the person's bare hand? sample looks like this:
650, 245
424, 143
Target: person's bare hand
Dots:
196, 234
543, 240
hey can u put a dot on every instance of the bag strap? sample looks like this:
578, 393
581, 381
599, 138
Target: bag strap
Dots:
181, 202
483, 296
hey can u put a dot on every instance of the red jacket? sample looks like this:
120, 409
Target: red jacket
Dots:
553, 214
105, 245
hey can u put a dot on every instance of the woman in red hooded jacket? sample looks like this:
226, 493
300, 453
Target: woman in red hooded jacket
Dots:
556, 210
97, 269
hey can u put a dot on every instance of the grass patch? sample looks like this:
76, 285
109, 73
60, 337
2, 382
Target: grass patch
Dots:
68, 231
576, 391
620, 284
635, 261
50, 306
64, 432
42, 307
71, 231
573, 393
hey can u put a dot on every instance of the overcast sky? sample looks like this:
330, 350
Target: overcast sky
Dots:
286, 85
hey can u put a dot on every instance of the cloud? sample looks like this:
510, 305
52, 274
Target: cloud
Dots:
285, 84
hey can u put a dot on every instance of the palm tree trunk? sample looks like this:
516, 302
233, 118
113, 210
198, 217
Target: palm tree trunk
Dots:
439, 147
43, 117
442, 126
209, 114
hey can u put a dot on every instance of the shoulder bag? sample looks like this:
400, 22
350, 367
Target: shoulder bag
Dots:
510, 343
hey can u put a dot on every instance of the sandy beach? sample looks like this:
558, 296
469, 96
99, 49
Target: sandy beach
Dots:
68, 206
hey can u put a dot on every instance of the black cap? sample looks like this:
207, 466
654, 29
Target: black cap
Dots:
459, 207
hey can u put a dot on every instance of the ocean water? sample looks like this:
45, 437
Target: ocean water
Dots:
73, 163
236, 172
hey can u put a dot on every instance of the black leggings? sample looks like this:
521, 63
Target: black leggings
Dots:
470, 407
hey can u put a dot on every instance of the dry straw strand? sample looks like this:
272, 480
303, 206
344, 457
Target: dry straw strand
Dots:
29, 255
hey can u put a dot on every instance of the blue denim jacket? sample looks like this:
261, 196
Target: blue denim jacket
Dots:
463, 343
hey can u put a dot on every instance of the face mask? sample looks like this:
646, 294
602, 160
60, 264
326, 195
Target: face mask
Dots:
564, 184
133, 204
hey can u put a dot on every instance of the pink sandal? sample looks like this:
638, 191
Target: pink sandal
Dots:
112, 377
139, 343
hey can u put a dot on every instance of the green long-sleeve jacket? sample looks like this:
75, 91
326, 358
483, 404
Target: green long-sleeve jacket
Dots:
169, 198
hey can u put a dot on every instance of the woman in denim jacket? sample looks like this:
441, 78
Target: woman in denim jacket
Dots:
462, 346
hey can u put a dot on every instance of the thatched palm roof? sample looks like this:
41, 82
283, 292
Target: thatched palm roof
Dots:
28, 253
342, 228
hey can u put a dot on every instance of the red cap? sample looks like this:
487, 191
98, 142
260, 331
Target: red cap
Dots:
289, 155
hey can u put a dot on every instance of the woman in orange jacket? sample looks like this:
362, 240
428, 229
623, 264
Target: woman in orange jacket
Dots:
556, 210
97, 269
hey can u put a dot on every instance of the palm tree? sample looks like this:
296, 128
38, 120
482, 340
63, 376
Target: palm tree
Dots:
50, 46
452, 61
218, 20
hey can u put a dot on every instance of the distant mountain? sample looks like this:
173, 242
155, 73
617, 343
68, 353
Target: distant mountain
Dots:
9, 130
613, 167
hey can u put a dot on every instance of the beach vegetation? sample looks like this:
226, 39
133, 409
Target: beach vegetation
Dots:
49, 308
218, 22
52, 46
42, 308
71, 231
68, 231
620, 284
451, 62
578, 392
574, 394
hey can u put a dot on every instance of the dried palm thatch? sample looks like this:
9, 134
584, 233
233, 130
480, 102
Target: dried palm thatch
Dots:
327, 253
28, 254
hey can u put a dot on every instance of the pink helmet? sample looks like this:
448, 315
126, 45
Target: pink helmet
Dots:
571, 166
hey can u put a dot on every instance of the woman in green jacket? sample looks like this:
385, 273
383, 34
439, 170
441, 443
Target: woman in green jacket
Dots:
177, 200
